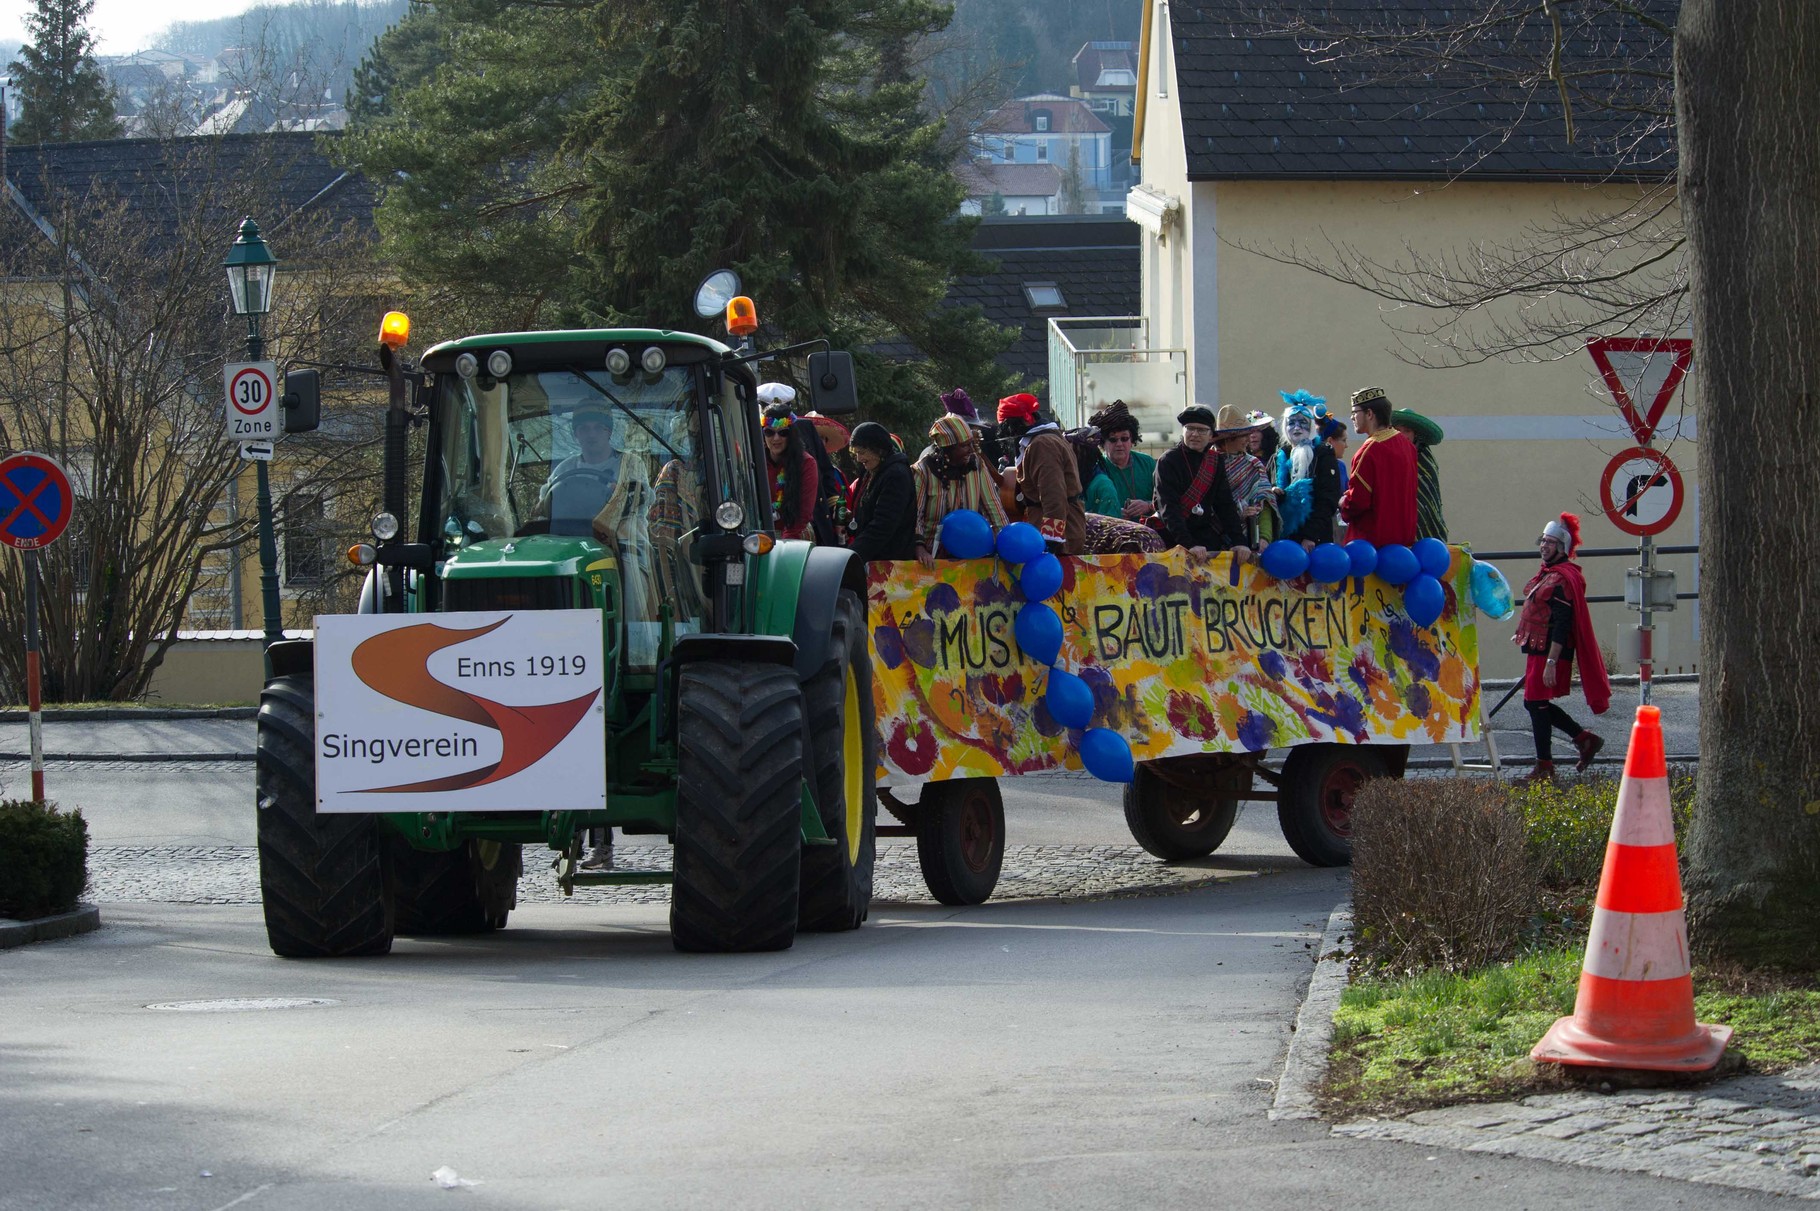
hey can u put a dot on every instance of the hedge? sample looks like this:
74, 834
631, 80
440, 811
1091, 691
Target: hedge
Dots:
43, 859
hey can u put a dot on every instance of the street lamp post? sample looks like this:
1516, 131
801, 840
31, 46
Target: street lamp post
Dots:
251, 269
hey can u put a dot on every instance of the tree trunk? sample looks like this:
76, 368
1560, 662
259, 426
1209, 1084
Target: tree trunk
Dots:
1748, 110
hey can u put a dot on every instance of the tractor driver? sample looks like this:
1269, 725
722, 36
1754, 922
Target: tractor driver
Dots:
580, 485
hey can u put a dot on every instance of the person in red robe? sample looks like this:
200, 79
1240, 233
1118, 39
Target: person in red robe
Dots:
1379, 504
1553, 628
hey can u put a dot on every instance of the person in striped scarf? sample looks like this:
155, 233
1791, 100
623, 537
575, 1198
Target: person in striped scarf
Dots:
951, 475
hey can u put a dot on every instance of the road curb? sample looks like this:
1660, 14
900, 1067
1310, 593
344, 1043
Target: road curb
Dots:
142, 758
45, 929
116, 714
1306, 1062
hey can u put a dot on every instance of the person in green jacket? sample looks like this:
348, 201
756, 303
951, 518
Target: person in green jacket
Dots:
1126, 484
1426, 435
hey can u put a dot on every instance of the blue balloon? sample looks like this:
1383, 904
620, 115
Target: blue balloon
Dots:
1041, 577
1491, 592
1424, 600
966, 535
1433, 557
1106, 755
1039, 632
1397, 564
1284, 559
1020, 542
1363, 555
1329, 564
1069, 699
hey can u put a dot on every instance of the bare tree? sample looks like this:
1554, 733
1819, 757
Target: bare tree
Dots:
112, 339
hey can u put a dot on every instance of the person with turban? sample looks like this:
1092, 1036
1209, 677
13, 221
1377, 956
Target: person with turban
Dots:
1047, 474
952, 474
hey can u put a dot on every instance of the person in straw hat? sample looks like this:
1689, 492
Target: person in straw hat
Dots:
950, 475
1193, 495
1245, 473
1380, 501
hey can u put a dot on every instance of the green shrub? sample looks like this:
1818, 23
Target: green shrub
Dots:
1568, 824
1442, 876
43, 859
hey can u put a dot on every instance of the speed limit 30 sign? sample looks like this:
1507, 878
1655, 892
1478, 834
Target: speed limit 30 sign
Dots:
252, 400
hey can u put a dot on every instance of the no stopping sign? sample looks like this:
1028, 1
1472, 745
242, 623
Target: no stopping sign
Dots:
35, 501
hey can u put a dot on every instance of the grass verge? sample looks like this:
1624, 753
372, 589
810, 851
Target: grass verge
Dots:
1410, 1042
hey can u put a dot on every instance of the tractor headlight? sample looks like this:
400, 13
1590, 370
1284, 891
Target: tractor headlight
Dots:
467, 365
385, 527
728, 515
653, 360
619, 362
499, 363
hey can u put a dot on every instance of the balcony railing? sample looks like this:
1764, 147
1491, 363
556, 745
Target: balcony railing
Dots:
1094, 360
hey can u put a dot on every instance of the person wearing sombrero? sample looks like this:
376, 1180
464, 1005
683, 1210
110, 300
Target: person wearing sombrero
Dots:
950, 475
1379, 505
1426, 435
1233, 432
1193, 495
1047, 473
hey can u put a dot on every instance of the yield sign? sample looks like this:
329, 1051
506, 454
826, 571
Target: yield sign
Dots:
1642, 374
35, 501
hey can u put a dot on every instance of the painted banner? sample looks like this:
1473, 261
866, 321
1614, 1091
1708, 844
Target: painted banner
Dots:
1181, 659
469, 711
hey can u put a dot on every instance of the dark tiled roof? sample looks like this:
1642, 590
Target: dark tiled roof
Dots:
1097, 57
1092, 260
1256, 106
1067, 115
163, 182
983, 179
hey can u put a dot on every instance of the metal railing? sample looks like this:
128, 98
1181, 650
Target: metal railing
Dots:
1597, 553
1094, 360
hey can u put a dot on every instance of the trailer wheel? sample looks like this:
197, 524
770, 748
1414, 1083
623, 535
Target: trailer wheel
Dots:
738, 853
843, 749
322, 878
1174, 824
960, 839
1314, 805
470, 889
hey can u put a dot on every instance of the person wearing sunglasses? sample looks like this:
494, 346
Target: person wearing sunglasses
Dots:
791, 472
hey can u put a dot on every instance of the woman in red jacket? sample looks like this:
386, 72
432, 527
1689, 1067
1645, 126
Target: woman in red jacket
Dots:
794, 477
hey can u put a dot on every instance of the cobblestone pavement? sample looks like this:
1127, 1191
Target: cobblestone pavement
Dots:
229, 874
1753, 1133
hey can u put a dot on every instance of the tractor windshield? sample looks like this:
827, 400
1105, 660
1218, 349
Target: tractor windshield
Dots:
578, 452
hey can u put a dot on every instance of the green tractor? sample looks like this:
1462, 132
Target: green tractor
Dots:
736, 684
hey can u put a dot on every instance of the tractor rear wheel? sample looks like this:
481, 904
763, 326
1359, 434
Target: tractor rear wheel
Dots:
1314, 803
322, 877
738, 851
470, 889
960, 839
843, 750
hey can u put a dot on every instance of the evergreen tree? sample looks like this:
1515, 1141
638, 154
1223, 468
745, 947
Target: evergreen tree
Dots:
65, 96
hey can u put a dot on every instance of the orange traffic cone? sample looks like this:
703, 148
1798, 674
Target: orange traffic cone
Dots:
1635, 1007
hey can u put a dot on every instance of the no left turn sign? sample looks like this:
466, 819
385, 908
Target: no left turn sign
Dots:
252, 400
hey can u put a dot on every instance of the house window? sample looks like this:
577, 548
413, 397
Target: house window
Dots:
1039, 121
305, 540
1044, 296
1042, 152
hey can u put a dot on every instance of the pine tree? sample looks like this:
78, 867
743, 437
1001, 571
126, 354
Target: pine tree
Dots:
65, 95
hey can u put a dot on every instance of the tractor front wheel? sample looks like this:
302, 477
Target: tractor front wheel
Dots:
322, 877
738, 852
843, 748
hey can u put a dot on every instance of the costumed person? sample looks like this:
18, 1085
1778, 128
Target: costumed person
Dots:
1553, 628
1379, 504
952, 475
1426, 435
1130, 472
579, 485
1047, 474
1108, 532
1233, 432
1333, 436
792, 473
1193, 497
1308, 475
884, 518
831, 438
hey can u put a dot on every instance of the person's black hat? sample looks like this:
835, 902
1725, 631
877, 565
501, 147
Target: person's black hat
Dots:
1196, 414
871, 435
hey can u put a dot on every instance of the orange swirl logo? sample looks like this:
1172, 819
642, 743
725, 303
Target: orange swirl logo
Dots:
396, 665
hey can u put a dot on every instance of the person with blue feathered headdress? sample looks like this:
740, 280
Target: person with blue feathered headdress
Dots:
1307, 472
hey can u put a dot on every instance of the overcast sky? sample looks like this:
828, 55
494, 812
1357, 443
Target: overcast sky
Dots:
124, 26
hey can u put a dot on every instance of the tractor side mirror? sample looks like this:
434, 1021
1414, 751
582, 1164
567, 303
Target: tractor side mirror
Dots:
302, 400
831, 389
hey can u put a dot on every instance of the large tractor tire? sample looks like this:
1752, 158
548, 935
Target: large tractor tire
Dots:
738, 852
843, 754
960, 839
322, 877
1314, 802
466, 890
1176, 824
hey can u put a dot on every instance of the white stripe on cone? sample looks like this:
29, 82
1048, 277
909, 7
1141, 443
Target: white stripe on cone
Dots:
1637, 945
1643, 816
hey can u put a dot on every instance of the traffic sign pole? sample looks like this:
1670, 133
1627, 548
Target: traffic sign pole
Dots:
34, 698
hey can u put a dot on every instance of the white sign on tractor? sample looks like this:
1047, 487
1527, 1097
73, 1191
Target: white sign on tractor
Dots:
252, 400
474, 711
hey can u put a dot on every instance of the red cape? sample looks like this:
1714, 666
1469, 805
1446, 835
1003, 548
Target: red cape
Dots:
1594, 682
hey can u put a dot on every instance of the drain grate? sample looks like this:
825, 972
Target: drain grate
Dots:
242, 1004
